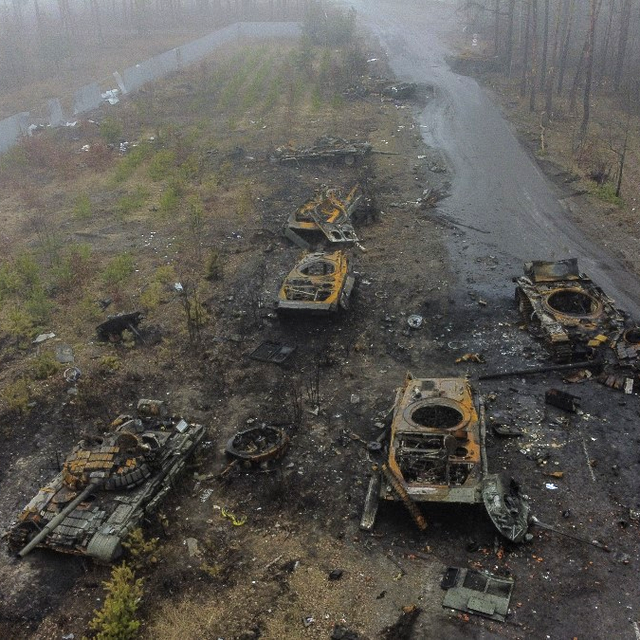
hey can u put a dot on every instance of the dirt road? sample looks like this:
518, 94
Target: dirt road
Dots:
497, 187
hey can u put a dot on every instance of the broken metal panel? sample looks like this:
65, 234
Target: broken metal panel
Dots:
542, 271
477, 592
105, 488
562, 400
319, 284
507, 507
272, 352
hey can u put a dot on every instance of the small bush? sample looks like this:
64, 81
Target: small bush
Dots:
169, 201
134, 158
44, 366
111, 131
82, 210
214, 267
162, 165
17, 396
151, 297
141, 550
607, 192
119, 269
117, 618
109, 364
132, 201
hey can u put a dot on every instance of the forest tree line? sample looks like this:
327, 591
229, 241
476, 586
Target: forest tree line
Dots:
568, 48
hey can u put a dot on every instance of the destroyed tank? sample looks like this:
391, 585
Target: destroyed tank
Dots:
326, 214
325, 148
437, 453
320, 284
572, 314
107, 485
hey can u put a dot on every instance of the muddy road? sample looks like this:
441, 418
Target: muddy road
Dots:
503, 210
497, 187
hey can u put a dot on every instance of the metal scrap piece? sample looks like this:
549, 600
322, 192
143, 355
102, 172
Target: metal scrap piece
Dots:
477, 592
272, 352
562, 400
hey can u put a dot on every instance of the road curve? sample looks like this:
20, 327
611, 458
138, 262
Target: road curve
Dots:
497, 188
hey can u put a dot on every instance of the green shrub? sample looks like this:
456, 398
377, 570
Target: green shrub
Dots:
134, 158
17, 396
132, 201
141, 550
44, 366
117, 618
169, 201
162, 165
82, 209
118, 269
111, 130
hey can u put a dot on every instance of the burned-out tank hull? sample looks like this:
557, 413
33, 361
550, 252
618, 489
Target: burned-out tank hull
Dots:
437, 454
567, 310
105, 488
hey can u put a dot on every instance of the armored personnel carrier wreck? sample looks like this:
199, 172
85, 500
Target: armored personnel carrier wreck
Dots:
107, 485
319, 284
436, 453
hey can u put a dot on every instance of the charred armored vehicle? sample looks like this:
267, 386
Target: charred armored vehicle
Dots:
573, 315
325, 148
437, 453
319, 284
107, 486
326, 213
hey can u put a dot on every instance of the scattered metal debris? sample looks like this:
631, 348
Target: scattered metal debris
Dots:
471, 357
111, 329
562, 400
272, 352
477, 592
319, 284
400, 91
566, 534
325, 148
437, 454
105, 488
328, 213
258, 444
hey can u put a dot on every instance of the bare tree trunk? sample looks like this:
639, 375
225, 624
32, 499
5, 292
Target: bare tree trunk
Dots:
525, 53
604, 55
545, 46
591, 40
625, 18
534, 54
565, 45
578, 75
548, 106
496, 35
508, 58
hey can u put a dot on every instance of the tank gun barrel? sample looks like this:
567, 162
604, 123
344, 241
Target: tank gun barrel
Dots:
58, 519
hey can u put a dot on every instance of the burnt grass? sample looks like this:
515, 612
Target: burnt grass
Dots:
268, 577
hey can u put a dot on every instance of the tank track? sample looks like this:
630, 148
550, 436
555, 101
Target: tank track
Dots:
401, 492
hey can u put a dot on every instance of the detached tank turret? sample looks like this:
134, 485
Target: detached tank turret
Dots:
107, 486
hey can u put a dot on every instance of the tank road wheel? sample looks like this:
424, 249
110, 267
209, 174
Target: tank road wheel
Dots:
371, 502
